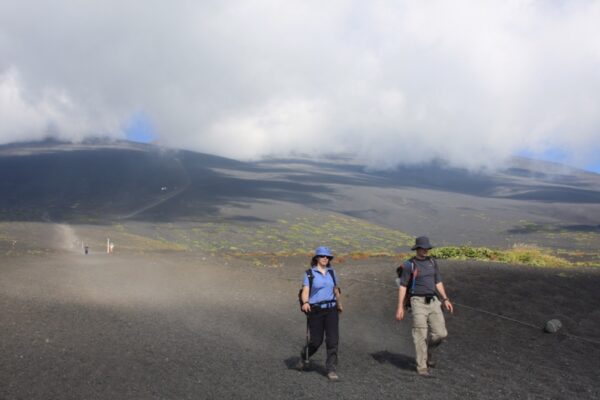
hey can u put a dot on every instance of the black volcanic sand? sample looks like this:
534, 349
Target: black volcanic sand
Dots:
177, 327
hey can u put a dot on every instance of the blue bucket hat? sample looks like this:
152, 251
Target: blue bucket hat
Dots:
422, 242
323, 251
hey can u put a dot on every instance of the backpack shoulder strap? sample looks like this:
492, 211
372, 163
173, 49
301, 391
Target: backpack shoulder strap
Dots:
311, 277
414, 271
413, 266
330, 272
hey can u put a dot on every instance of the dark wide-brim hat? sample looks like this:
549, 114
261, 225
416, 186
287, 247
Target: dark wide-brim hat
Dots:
422, 242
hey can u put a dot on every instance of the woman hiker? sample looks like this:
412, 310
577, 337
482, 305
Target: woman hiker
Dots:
422, 282
320, 298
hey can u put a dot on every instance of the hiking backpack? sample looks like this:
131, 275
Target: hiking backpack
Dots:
410, 285
311, 277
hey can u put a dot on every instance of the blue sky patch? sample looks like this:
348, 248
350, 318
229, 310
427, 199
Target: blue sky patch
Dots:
140, 129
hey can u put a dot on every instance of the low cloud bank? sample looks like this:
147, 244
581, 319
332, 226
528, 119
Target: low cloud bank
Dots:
471, 83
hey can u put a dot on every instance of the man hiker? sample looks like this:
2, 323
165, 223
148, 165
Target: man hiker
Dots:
422, 283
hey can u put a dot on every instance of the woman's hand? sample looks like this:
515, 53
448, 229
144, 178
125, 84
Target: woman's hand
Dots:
306, 308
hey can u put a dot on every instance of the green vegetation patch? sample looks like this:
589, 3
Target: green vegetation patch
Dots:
348, 237
297, 236
518, 254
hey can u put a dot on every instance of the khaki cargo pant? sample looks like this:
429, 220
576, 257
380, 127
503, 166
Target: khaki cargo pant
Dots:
429, 328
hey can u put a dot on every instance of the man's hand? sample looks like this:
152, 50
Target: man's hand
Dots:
449, 306
306, 307
340, 308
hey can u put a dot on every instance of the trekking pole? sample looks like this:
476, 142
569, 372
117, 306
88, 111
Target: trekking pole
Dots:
307, 341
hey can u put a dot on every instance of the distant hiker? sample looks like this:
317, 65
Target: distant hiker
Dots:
321, 302
421, 280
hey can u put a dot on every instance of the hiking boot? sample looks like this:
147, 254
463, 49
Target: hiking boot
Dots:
430, 361
301, 365
332, 376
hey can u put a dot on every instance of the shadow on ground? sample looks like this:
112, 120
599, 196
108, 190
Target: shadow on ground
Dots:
401, 361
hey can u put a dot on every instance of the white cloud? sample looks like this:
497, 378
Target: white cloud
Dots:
53, 112
472, 82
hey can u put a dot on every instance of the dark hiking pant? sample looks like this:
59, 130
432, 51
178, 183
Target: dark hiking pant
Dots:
324, 323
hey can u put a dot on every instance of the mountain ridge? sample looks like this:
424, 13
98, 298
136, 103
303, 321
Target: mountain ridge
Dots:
137, 186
